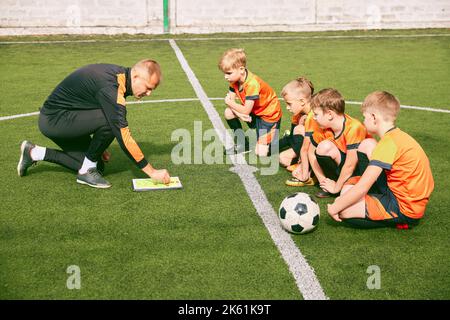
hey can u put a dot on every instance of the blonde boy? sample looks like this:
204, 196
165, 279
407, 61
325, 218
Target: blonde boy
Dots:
398, 171
297, 96
258, 103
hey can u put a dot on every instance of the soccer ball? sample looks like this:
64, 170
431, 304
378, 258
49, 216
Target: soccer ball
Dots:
299, 213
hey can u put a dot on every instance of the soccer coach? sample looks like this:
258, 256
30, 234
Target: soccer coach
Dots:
84, 114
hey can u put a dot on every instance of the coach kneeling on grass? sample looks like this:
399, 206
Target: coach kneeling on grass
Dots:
84, 114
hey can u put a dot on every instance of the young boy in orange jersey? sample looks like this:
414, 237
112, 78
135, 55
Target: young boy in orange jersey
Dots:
259, 105
398, 169
333, 154
297, 96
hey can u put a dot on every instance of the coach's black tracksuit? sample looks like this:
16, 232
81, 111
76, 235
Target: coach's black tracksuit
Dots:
84, 114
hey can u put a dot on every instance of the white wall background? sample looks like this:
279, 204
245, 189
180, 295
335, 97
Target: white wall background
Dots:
207, 16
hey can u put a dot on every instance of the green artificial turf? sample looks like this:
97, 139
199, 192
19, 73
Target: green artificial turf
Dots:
202, 242
207, 241
413, 264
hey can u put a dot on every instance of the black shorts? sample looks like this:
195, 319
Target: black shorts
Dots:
382, 205
266, 132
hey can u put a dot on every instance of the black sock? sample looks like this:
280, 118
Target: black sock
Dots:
239, 135
361, 223
285, 143
295, 160
329, 167
234, 124
296, 143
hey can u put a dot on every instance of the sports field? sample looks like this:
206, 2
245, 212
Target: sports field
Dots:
207, 240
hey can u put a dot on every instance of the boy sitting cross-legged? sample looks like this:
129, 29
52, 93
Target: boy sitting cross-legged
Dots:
333, 153
396, 185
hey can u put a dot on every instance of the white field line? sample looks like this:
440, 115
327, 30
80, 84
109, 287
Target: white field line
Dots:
131, 102
387, 36
430, 109
304, 275
409, 107
19, 116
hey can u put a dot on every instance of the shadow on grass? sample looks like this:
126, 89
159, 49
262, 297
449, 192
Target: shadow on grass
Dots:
357, 224
47, 167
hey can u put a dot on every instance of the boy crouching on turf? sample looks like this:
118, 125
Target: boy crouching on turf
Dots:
297, 96
259, 105
395, 188
333, 153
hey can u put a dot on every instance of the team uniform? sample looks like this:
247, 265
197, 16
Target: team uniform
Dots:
291, 140
353, 133
295, 121
90, 101
311, 126
296, 141
266, 112
406, 181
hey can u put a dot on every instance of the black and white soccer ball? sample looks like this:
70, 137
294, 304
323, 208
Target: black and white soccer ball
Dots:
299, 213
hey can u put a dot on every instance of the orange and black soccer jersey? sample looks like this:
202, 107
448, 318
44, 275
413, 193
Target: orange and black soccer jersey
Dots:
351, 136
99, 86
311, 125
407, 171
267, 106
295, 119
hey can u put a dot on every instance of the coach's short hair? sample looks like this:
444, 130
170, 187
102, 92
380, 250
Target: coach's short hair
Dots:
384, 102
329, 99
149, 67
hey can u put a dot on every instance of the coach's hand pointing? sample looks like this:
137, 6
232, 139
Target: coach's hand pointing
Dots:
161, 176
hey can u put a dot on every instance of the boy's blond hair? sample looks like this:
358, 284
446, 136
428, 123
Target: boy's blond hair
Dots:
384, 102
329, 99
148, 68
300, 87
233, 59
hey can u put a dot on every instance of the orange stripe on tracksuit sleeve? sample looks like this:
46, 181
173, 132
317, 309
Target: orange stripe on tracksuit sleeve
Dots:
121, 81
131, 144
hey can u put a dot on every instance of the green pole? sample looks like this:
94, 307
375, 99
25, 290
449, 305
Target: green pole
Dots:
166, 15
